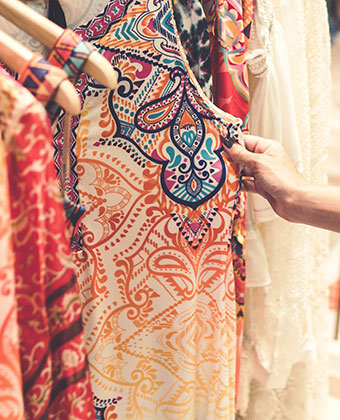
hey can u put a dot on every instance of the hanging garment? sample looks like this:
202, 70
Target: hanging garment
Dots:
285, 321
229, 24
53, 366
156, 272
11, 398
257, 264
194, 36
272, 105
272, 96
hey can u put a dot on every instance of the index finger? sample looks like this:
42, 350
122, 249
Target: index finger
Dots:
238, 153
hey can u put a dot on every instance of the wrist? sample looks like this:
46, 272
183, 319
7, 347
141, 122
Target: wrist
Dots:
296, 201
314, 205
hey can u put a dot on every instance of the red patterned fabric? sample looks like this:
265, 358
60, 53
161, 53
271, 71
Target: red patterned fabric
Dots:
54, 369
11, 399
229, 23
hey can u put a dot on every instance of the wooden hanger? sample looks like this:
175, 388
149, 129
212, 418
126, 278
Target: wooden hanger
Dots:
47, 32
15, 56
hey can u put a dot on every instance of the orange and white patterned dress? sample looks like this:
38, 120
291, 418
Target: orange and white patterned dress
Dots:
155, 271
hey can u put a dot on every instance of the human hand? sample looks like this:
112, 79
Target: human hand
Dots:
268, 171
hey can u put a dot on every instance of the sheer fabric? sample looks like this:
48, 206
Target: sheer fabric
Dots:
284, 334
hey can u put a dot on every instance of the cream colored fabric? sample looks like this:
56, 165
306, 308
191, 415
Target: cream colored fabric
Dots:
272, 110
273, 116
79, 12
284, 363
257, 264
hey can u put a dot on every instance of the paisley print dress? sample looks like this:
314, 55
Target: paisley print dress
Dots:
155, 271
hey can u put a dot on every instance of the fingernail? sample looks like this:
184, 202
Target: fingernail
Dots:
228, 142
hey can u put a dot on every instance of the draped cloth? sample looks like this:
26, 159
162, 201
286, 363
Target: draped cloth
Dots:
229, 24
48, 331
194, 36
11, 398
285, 334
155, 271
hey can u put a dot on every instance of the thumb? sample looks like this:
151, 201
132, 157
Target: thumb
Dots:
238, 153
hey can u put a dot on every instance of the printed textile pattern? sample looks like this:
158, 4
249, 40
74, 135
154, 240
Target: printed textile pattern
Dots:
42, 79
74, 214
229, 23
56, 383
156, 272
102, 26
11, 399
70, 54
193, 33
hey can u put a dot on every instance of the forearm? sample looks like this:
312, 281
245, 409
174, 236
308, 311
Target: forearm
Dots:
317, 206
269, 171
